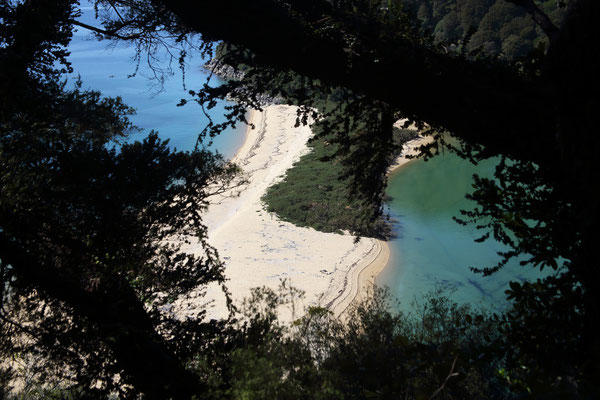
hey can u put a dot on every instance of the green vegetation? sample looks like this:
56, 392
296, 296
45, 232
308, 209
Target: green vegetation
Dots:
316, 193
490, 27
379, 353
84, 227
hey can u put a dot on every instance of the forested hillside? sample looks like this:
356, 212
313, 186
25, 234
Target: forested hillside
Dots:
489, 27
479, 28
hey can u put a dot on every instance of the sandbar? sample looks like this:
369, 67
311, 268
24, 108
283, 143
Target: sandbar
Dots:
259, 249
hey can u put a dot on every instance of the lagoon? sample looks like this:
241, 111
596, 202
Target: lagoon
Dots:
431, 249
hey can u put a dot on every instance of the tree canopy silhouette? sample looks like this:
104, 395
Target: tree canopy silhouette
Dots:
536, 113
84, 224
91, 226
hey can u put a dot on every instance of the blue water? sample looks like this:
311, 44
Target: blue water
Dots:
107, 70
431, 249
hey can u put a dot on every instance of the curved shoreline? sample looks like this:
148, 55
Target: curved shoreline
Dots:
410, 148
368, 273
250, 117
360, 280
364, 279
260, 250
257, 248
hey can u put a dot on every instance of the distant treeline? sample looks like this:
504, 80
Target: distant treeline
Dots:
487, 27
319, 190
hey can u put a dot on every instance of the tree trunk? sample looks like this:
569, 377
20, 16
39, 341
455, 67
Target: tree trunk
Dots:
114, 315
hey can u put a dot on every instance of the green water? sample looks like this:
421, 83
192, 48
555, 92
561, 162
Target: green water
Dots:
430, 248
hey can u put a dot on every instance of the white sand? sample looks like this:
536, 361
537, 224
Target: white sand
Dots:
361, 280
410, 148
260, 250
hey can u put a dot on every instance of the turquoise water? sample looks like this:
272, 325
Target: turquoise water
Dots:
431, 249
107, 70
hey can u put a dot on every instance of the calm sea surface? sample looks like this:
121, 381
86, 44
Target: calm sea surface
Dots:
431, 249
107, 70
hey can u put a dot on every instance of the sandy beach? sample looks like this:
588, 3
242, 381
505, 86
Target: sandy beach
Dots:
258, 249
411, 148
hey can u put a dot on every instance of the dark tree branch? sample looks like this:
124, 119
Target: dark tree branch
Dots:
539, 17
120, 321
450, 375
112, 4
482, 101
112, 34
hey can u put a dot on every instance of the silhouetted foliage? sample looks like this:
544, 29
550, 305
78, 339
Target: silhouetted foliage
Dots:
65, 267
375, 353
91, 226
524, 110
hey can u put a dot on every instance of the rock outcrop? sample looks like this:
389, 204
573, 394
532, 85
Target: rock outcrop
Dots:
227, 72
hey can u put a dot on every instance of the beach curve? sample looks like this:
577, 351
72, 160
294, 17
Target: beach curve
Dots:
256, 247
376, 261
